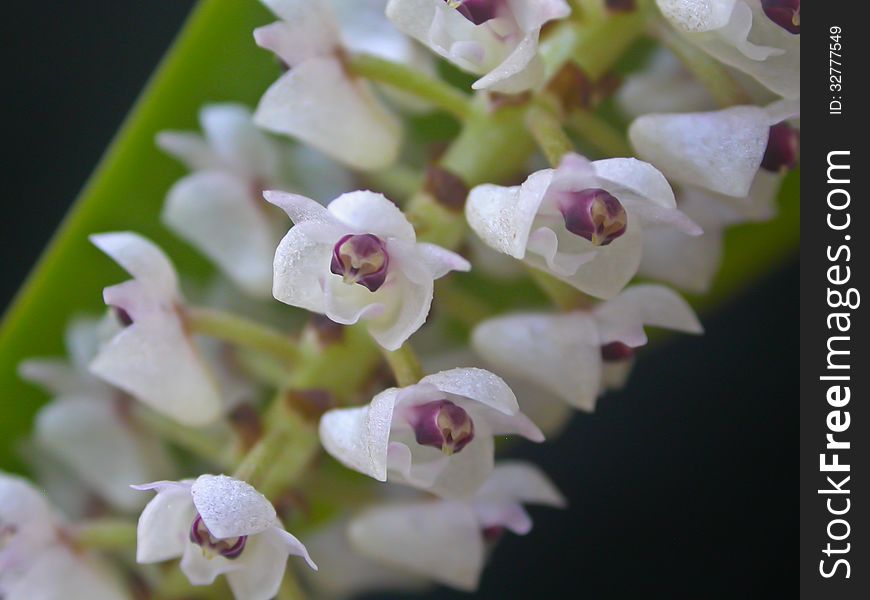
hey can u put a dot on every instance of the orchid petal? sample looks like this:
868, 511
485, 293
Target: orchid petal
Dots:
262, 564
720, 151
560, 353
142, 259
622, 319
438, 540
369, 212
231, 508
359, 437
164, 525
319, 104
502, 216
216, 212
90, 437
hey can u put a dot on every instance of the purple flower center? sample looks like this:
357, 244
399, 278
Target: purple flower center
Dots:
477, 11
493, 534
443, 425
361, 259
616, 351
122, 316
783, 147
594, 214
211, 546
785, 13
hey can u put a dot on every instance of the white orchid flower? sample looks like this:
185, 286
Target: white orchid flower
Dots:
343, 572
576, 356
85, 427
759, 37
153, 357
357, 260
720, 151
365, 29
582, 222
497, 39
447, 540
436, 435
36, 561
217, 525
219, 208
663, 86
317, 101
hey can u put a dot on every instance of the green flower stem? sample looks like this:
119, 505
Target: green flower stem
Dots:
241, 332
404, 364
492, 147
548, 133
707, 70
199, 443
412, 81
599, 134
341, 368
464, 306
398, 181
290, 589
600, 45
292, 460
174, 585
559, 45
591, 11
289, 442
105, 534
560, 293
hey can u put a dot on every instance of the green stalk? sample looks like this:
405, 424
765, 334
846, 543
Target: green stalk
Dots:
412, 81
404, 364
242, 332
199, 443
548, 133
708, 71
560, 293
289, 441
599, 134
465, 307
600, 45
105, 534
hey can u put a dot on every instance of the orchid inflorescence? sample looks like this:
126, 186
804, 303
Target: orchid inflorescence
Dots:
169, 383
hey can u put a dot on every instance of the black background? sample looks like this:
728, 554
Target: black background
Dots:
683, 485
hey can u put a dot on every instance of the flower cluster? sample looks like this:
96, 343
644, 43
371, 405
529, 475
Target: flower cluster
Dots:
183, 375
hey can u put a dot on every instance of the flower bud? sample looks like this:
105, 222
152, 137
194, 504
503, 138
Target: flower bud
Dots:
212, 546
594, 214
443, 425
785, 13
783, 147
361, 259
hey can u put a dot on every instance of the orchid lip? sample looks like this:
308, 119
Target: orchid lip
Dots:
122, 316
362, 259
785, 13
783, 148
616, 352
211, 546
444, 425
594, 214
477, 11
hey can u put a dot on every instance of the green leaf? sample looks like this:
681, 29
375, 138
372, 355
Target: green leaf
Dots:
213, 60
